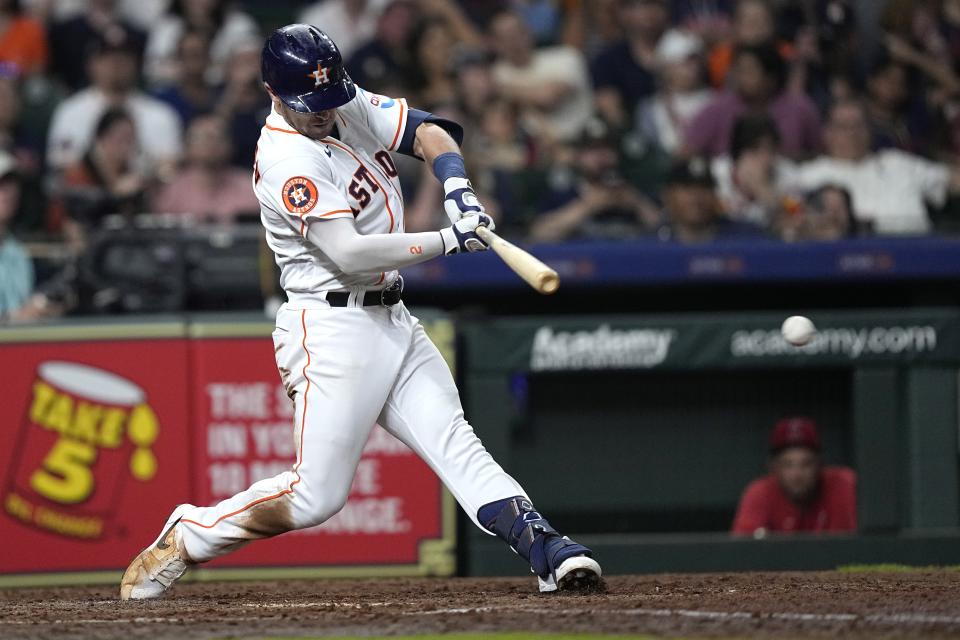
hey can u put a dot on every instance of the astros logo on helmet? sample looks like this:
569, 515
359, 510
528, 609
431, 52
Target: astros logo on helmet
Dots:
303, 67
299, 195
320, 76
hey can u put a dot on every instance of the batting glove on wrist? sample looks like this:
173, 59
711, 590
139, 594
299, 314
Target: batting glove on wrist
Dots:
462, 235
459, 199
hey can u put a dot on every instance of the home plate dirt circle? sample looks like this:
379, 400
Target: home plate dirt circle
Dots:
763, 605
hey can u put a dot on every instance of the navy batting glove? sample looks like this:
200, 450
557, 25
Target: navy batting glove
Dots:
462, 235
459, 199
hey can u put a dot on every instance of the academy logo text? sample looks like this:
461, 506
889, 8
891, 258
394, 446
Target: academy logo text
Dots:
600, 348
839, 341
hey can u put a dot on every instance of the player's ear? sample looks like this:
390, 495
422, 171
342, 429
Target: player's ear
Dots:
273, 96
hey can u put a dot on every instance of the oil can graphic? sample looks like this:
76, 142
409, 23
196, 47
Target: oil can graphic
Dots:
85, 433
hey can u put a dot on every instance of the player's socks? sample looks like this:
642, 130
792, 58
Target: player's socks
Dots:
515, 521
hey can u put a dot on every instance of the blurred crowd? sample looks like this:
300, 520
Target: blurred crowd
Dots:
682, 121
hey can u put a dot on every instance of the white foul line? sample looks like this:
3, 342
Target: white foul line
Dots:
874, 619
870, 619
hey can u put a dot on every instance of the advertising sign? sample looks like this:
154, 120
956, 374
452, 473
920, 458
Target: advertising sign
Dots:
243, 433
94, 436
106, 431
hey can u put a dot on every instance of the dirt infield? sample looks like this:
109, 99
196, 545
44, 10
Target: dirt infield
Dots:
794, 605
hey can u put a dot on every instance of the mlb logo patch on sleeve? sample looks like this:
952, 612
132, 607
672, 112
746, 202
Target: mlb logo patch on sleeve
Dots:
381, 101
299, 195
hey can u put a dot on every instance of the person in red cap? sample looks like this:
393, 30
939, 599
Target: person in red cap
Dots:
800, 494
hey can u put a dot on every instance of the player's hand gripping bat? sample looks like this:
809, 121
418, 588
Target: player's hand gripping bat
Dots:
537, 274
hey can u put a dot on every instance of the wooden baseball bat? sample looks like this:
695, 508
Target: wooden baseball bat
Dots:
537, 274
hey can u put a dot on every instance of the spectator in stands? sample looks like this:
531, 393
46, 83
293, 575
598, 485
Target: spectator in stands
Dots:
915, 34
350, 23
896, 120
14, 137
710, 19
192, 93
550, 85
113, 71
800, 494
479, 12
504, 160
380, 62
453, 14
244, 103
140, 13
432, 44
662, 118
918, 43
693, 211
890, 188
754, 180
224, 25
829, 51
824, 215
16, 269
70, 39
22, 39
106, 181
624, 73
543, 17
21, 138
600, 204
475, 88
207, 188
759, 74
754, 24
591, 25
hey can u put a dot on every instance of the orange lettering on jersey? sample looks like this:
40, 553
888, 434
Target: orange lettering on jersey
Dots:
416, 250
299, 195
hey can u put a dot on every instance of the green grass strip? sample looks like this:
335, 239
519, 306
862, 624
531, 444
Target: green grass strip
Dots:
468, 636
892, 568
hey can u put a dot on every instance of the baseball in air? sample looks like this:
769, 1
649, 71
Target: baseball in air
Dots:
798, 330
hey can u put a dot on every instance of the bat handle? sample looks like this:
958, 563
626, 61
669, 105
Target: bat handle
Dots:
486, 235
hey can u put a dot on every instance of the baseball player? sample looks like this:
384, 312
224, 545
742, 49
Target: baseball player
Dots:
349, 353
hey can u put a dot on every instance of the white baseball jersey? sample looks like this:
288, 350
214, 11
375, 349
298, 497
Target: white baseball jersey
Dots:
299, 180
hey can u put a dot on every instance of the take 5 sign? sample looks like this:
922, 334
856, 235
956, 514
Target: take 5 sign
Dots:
107, 428
84, 432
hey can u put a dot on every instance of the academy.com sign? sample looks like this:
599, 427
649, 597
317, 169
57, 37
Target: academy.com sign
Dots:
600, 348
839, 341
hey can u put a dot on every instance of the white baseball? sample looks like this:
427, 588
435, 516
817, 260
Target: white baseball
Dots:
798, 330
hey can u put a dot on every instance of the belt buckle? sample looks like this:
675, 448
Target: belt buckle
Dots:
396, 287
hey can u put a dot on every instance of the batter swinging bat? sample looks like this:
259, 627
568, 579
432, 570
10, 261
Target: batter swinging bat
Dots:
537, 274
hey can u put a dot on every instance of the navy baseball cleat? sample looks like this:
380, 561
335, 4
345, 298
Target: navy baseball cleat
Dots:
559, 563
577, 573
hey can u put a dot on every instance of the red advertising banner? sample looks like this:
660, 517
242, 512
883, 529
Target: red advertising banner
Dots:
242, 434
94, 435
102, 438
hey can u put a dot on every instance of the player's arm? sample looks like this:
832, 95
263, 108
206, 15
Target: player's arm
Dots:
355, 253
434, 144
752, 512
423, 135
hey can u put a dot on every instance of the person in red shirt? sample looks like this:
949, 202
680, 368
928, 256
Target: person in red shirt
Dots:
800, 494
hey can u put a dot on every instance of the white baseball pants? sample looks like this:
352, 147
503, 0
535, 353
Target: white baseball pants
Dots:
348, 368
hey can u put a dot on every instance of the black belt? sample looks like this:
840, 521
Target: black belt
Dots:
383, 297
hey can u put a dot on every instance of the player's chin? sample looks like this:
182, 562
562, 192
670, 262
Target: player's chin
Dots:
319, 130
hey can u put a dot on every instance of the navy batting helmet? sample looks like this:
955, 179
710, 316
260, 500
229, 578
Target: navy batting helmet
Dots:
304, 68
